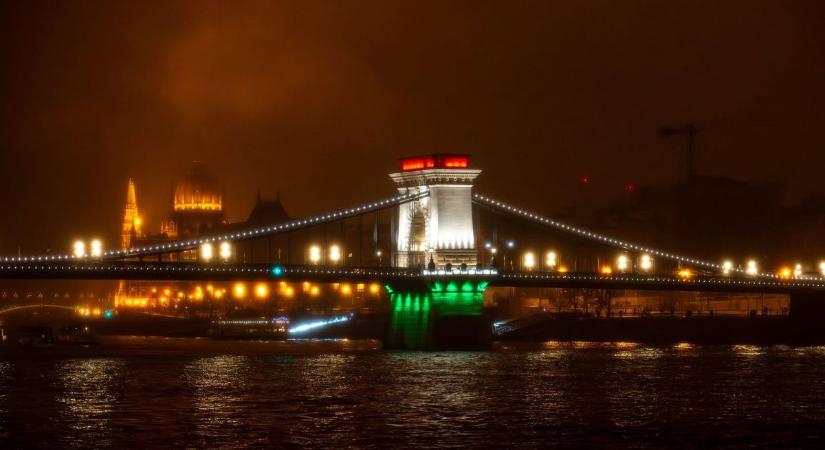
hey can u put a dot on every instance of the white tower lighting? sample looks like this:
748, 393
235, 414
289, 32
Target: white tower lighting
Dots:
442, 222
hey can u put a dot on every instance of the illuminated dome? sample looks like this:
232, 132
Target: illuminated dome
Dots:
197, 191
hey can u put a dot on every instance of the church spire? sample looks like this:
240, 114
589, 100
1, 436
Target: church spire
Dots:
131, 217
131, 196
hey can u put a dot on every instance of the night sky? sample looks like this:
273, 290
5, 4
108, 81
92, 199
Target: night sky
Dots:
319, 99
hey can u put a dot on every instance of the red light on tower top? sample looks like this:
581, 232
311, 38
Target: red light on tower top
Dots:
435, 161
584, 180
630, 187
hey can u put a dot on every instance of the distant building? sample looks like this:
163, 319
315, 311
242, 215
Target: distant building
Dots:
197, 204
196, 209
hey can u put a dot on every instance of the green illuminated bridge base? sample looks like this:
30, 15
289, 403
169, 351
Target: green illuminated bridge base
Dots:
448, 315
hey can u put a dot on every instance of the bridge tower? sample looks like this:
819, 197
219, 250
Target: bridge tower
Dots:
438, 227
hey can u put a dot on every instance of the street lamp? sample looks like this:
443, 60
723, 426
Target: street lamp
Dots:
822, 268
261, 290
551, 259
622, 263
206, 252
752, 269
79, 249
379, 254
797, 271
727, 266
510, 244
646, 263
529, 260
335, 254
314, 254
239, 290
96, 248
225, 251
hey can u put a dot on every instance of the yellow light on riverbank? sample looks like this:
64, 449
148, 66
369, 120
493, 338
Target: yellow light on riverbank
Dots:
261, 291
239, 290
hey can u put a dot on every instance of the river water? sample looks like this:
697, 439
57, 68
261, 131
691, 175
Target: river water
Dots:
163, 393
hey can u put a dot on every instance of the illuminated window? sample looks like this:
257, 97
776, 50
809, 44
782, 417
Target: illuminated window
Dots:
438, 161
454, 162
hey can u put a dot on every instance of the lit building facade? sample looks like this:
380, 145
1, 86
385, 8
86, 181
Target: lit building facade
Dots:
197, 205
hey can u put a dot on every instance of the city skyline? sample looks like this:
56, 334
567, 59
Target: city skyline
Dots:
305, 108
429, 224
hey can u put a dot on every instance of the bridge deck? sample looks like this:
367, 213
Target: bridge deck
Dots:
393, 276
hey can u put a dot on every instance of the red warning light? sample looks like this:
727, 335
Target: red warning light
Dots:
584, 180
630, 187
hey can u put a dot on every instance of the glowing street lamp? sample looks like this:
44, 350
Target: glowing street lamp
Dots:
797, 271
334, 254
225, 251
529, 260
727, 267
239, 290
79, 249
551, 260
510, 245
261, 291
314, 254
822, 268
622, 263
646, 263
206, 252
751, 268
96, 248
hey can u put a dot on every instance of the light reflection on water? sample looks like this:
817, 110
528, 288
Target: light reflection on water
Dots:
5, 380
88, 395
219, 385
576, 394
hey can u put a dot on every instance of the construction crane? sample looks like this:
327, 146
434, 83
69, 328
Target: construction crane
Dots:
690, 131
